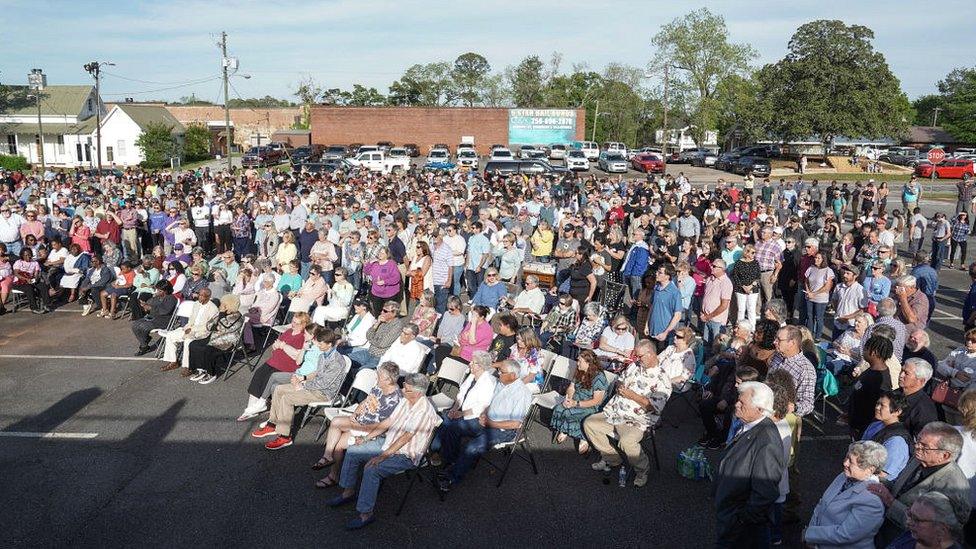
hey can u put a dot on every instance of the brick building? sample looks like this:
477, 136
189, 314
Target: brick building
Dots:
423, 126
247, 125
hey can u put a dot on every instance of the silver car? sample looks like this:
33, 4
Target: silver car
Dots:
612, 162
557, 151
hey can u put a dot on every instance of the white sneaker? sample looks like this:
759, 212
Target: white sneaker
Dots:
640, 479
207, 379
198, 376
86, 310
601, 466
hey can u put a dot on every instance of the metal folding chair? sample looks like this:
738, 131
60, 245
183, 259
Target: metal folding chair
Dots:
518, 446
364, 382
180, 315
239, 348
423, 472
452, 371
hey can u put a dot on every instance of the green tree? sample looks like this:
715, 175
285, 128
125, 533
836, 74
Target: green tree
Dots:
528, 83
832, 82
698, 46
428, 85
307, 91
494, 91
740, 116
468, 75
196, 142
157, 145
260, 103
958, 91
925, 109
192, 99
14, 97
361, 96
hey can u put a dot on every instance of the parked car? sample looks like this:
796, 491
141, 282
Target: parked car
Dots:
704, 159
964, 151
258, 157
615, 146
540, 167
756, 165
398, 152
685, 156
531, 152
467, 158
444, 146
413, 151
328, 166
590, 148
384, 145
282, 148
557, 151
576, 160
306, 153
437, 155
377, 161
648, 163
367, 148
612, 162
497, 146
725, 160
953, 168
503, 167
501, 154
335, 152
353, 149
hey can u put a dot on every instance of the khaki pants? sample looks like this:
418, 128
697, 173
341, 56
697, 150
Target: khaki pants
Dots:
173, 339
766, 283
628, 439
283, 403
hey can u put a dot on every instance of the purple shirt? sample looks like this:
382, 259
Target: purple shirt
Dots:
389, 274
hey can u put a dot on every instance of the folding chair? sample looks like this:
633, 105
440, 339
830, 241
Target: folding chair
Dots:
364, 381
249, 360
692, 388
650, 435
424, 472
182, 313
453, 371
340, 399
517, 446
123, 303
547, 399
17, 299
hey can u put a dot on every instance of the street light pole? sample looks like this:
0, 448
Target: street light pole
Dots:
596, 118
37, 82
224, 63
664, 147
95, 69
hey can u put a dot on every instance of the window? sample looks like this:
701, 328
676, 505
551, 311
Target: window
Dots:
12, 144
109, 154
60, 144
121, 147
81, 157
91, 105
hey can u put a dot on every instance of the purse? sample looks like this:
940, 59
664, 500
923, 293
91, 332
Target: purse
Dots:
945, 394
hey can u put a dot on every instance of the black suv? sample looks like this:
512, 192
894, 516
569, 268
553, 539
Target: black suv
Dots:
755, 165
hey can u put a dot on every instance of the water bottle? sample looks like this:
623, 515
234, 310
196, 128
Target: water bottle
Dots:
622, 477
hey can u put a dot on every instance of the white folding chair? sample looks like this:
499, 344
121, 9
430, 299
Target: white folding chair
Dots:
182, 313
312, 409
364, 382
17, 299
453, 371
562, 368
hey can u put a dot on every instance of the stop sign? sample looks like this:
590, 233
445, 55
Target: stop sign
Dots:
936, 155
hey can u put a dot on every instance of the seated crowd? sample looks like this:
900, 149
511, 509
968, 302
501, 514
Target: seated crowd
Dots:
754, 301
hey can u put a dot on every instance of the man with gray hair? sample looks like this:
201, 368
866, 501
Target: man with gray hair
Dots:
932, 469
886, 316
406, 351
920, 409
529, 301
401, 447
769, 255
747, 482
499, 423
913, 305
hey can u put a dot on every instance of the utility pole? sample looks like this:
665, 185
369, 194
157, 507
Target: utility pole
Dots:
596, 119
95, 69
225, 63
36, 81
664, 148
935, 115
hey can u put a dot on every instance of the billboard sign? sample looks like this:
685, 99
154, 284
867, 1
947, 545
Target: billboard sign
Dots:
541, 126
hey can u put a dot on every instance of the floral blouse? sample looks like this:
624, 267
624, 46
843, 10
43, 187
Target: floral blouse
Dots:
589, 333
377, 407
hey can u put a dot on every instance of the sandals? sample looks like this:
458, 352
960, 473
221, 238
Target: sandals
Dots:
327, 482
322, 464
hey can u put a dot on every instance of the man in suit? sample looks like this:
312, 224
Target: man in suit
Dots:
196, 327
747, 483
933, 469
158, 311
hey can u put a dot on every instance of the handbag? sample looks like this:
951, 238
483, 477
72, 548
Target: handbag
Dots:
945, 394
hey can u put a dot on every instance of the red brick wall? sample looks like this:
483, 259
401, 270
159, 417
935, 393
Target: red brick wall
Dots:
421, 125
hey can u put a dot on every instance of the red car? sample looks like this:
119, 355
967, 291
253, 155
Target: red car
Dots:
647, 163
951, 168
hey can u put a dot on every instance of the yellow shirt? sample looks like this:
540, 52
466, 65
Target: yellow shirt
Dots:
542, 243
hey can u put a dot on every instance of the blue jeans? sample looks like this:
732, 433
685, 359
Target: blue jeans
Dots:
304, 270
477, 447
364, 358
447, 440
456, 273
815, 318
710, 331
441, 293
635, 284
356, 457
13, 248
938, 253
800, 306
472, 279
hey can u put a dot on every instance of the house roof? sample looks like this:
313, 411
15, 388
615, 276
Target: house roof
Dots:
57, 100
929, 134
85, 127
143, 115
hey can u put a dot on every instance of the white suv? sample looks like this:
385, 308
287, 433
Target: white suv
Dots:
467, 157
576, 160
590, 149
501, 154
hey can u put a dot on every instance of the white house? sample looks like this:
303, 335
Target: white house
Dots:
124, 124
68, 122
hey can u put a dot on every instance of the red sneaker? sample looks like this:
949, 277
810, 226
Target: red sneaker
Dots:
265, 431
278, 443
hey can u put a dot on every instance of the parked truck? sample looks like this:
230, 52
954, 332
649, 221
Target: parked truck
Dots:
379, 161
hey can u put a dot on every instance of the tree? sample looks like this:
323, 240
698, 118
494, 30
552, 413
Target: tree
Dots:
925, 109
259, 103
740, 116
157, 145
192, 99
833, 83
196, 142
468, 75
698, 46
361, 96
307, 90
959, 95
527, 82
495, 92
14, 97
428, 85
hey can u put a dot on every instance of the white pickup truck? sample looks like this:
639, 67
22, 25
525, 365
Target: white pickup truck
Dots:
378, 161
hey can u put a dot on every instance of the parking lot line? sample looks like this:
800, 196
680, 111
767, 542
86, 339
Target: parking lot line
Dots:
945, 315
79, 357
24, 434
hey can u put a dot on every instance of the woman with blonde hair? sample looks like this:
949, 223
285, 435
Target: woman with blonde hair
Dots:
678, 359
617, 343
287, 250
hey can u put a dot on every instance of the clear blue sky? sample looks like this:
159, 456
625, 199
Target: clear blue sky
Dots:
160, 45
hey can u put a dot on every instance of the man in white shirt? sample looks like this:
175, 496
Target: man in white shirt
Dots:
531, 300
457, 245
10, 229
848, 298
203, 312
406, 352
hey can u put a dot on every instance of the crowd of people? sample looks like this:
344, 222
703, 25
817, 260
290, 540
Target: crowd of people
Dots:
763, 297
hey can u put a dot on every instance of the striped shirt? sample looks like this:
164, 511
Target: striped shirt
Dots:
768, 253
443, 255
803, 373
420, 419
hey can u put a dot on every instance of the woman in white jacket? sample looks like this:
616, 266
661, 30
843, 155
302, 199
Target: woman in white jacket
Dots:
848, 515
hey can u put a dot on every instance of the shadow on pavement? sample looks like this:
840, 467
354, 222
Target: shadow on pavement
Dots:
57, 413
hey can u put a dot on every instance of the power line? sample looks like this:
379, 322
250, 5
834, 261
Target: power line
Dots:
193, 81
143, 92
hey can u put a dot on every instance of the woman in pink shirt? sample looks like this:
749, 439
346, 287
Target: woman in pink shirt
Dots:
80, 234
476, 334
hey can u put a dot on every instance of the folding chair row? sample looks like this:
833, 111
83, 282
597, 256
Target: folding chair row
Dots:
364, 382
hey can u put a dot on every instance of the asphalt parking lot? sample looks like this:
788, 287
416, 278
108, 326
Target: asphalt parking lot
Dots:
133, 457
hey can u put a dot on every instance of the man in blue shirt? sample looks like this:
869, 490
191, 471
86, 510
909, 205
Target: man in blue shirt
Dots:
665, 307
478, 257
927, 277
969, 306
